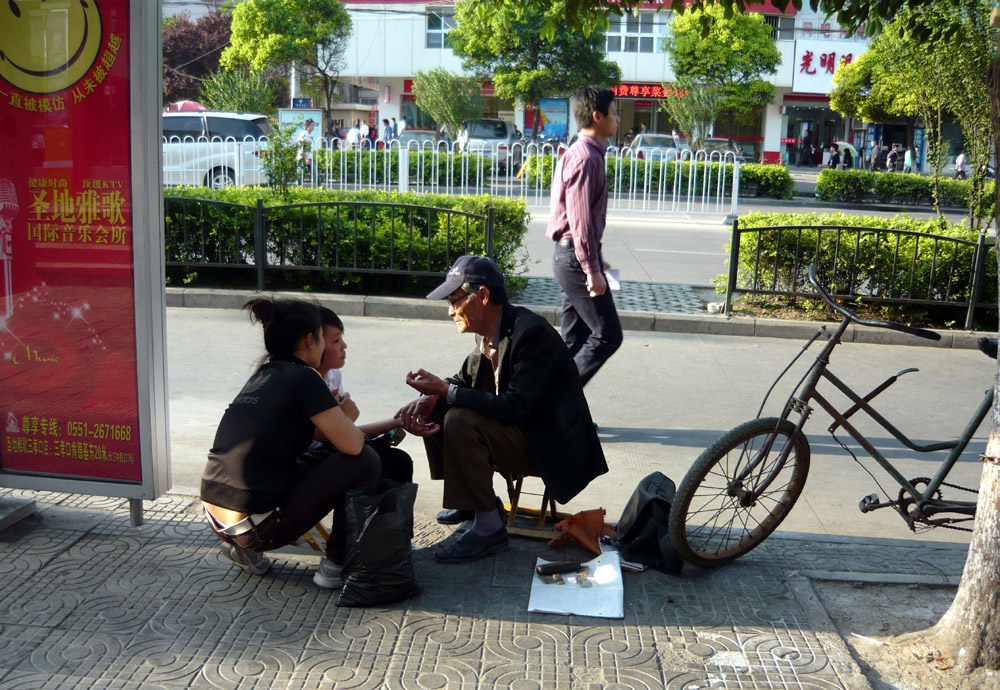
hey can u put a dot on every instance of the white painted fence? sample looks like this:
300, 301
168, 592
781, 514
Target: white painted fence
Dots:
708, 183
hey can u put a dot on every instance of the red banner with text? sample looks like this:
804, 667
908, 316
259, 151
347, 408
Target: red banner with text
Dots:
68, 398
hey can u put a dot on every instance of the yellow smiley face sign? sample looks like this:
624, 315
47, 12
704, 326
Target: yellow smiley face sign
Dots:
48, 45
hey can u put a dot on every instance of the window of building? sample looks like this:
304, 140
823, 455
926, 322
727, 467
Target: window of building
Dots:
782, 28
439, 23
632, 34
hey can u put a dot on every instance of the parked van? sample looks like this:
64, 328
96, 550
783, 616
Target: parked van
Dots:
213, 148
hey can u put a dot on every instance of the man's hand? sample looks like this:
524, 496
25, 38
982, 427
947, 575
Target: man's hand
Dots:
414, 415
427, 383
595, 284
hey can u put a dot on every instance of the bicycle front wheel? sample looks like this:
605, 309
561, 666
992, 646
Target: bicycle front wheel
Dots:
723, 509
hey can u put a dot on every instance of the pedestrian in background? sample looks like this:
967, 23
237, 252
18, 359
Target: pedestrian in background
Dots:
834, 162
806, 156
589, 320
306, 142
908, 160
892, 160
961, 166
874, 156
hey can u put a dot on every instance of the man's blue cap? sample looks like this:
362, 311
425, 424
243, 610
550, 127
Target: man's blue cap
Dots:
479, 270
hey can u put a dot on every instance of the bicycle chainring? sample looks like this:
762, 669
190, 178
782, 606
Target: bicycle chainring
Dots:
905, 501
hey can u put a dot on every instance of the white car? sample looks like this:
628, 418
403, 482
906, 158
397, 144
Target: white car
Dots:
213, 148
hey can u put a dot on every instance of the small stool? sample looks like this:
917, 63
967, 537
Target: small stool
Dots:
311, 540
515, 482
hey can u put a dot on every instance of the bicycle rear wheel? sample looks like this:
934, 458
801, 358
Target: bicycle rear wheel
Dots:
715, 517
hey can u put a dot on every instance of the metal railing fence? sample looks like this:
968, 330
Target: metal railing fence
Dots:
640, 179
871, 264
334, 237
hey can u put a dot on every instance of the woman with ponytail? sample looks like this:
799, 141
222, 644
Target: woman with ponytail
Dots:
258, 494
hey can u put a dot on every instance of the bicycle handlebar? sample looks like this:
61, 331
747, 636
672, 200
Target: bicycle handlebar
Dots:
847, 313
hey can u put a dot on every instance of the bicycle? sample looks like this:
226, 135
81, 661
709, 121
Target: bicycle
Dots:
740, 488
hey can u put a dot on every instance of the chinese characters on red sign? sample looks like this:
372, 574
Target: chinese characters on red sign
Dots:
647, 91
827, 62
69, 400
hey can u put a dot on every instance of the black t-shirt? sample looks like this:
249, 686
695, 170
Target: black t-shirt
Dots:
263, 431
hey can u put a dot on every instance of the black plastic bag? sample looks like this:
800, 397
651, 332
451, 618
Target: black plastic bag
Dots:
378, 568
643, 532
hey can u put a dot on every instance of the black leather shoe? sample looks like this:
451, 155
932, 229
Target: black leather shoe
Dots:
471, 547
456, 516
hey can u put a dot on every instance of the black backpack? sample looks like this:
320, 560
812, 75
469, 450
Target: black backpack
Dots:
643, 530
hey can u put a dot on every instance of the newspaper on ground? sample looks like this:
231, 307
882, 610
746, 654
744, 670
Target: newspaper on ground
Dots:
598, 592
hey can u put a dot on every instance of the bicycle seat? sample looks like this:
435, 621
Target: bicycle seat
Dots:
988, 346
876, 323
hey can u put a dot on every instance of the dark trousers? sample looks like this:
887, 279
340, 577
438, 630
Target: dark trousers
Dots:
466, 452
316, 490
590, 325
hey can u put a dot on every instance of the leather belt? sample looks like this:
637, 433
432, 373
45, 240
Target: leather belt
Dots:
242, 527
565, 241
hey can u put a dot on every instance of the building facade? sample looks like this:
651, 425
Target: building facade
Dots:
391, 41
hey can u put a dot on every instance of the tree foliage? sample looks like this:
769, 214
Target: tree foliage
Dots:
735, 55
523, 65
449, 98
239, 89
312, 34
693, 108
191, 51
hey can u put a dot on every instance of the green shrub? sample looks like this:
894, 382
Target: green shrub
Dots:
859, 186
375, 167
771, 181
870, 261
401, 231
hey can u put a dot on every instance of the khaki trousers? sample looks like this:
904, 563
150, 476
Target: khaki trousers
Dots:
466, 452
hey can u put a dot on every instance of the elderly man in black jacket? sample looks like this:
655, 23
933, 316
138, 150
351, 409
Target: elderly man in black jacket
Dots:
517, 405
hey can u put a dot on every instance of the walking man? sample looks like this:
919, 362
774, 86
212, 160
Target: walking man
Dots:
806, 157
874, 156
590, 325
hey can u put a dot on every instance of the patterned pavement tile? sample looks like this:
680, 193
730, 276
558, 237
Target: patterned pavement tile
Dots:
226, 585
188, 620
326, 669
526, 643
74, 653
519, 676
432, 673
288, 584
17, 641
32, 601
272, 627
670, 298
34, 544
615, 678
19, 680
112, 613
436, 636
245, 667
152, 660
621, 646
363, 631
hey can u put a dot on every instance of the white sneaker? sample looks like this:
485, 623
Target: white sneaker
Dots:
328, 575
252, 561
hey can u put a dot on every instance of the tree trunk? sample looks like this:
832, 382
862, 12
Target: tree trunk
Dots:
969, 632
535, 122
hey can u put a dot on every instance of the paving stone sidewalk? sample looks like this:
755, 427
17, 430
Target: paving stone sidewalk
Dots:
666, 298
91, 602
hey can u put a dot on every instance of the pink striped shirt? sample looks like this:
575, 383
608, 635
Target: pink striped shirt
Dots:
580, 200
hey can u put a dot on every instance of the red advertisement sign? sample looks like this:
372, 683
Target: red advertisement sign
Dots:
68, 396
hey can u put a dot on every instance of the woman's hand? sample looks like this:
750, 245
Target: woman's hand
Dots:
339, 430
349, 407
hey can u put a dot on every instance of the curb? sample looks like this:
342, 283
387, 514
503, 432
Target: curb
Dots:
658, 322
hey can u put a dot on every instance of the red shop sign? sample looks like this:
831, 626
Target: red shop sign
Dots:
69, 401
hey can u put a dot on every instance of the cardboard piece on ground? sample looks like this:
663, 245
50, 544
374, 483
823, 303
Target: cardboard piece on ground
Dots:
604, 598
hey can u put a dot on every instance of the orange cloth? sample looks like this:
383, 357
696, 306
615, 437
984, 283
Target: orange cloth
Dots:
585, 528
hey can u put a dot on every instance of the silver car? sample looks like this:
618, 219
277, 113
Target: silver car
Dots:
213, 148
493, 139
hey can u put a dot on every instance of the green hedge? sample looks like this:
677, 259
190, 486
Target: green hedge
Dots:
369, 167
319, 236
860, 186
772, 181
864, 263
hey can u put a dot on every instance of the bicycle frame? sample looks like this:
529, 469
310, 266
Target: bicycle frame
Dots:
799, 403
